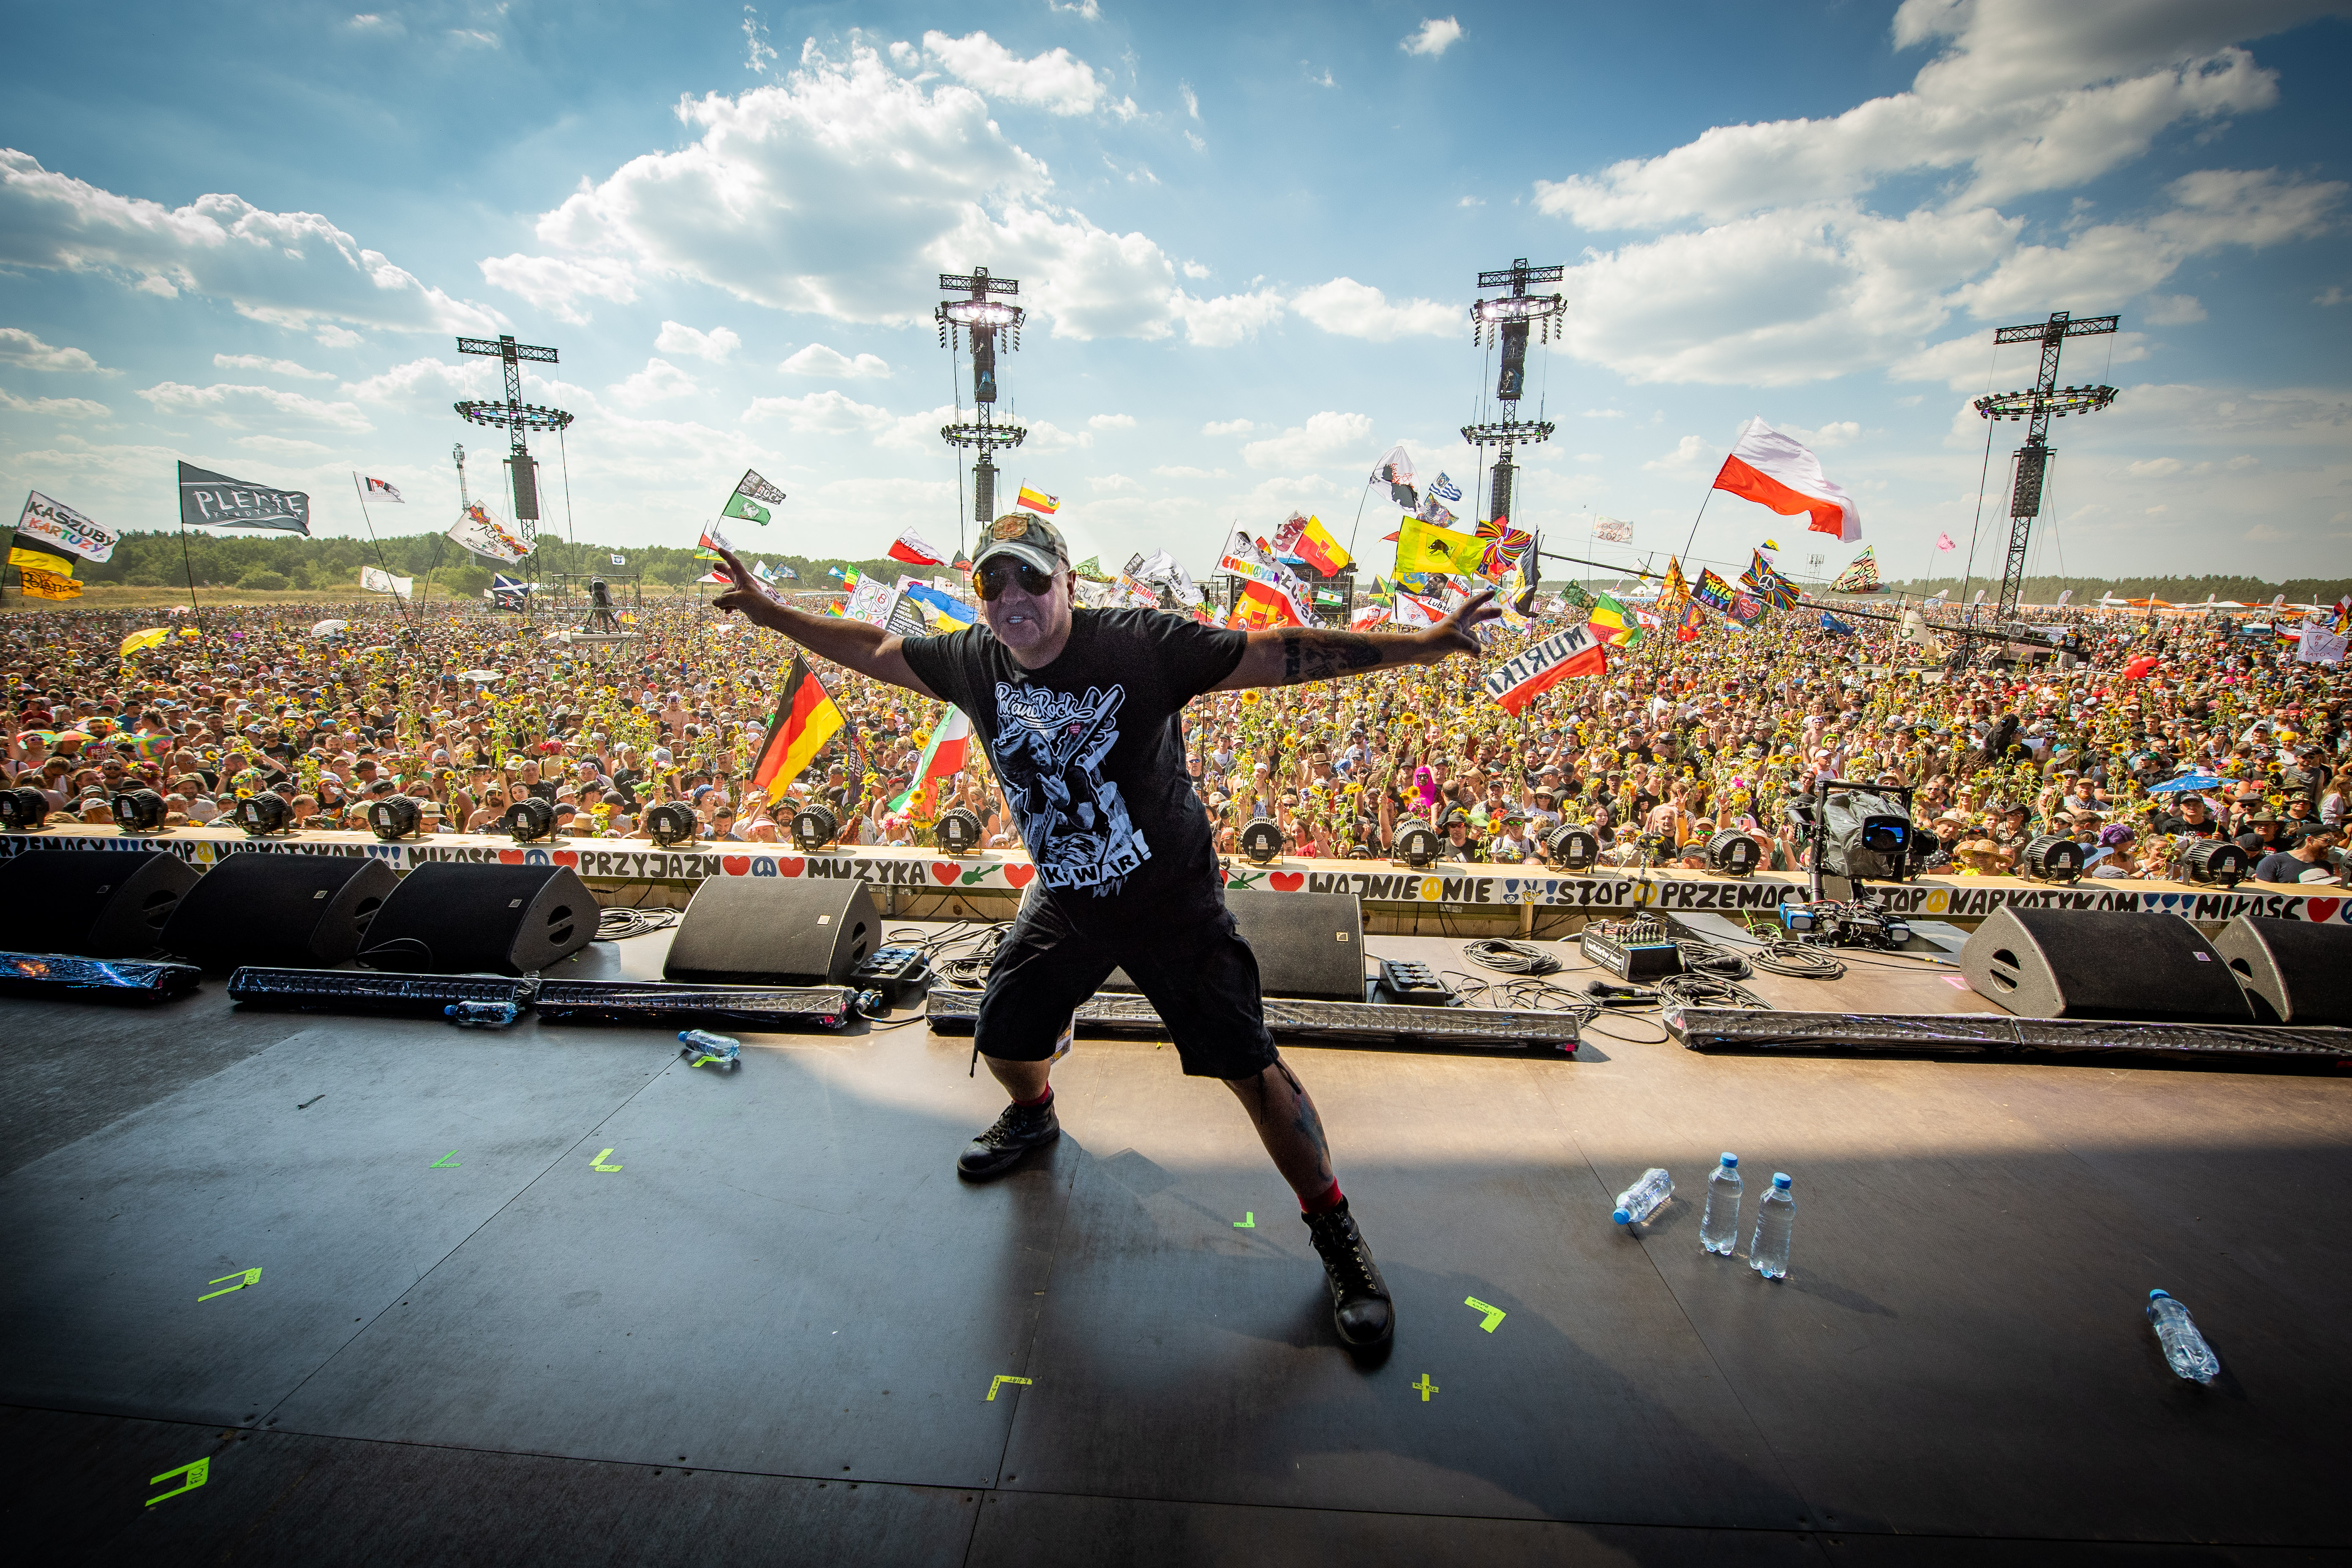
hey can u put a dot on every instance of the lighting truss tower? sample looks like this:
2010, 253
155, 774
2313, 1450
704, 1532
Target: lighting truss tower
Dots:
1511, 316
981, 319
515, 416
2032, 459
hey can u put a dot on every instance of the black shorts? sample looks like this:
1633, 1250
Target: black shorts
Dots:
1201, 977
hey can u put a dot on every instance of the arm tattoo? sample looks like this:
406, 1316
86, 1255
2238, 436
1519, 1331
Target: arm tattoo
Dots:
1318, 655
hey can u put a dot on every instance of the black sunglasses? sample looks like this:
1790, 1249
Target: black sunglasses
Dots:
989, 581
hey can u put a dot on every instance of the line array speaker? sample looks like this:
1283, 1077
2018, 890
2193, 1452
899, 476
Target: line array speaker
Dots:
295, 912
774, 930
2295, 972
1308, 945
448, 918
2102, 964
95, 903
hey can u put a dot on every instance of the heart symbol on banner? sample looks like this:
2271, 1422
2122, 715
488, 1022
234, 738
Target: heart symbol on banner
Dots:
2170, 899
1018, 874
944, 872
789, 865
735, 865
2322, 910
1288, 881
568, 858
509, 856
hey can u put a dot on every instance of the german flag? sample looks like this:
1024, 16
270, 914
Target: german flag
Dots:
805, 720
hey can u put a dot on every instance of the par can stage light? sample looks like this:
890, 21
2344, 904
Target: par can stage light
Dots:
671, 822
1733, 853
142, 811
1416, 845
2050, 858
394, 817
815, 827
1262, 842
1573, 848
2216, 862
262, 813
529, 818
23, 810
958, 831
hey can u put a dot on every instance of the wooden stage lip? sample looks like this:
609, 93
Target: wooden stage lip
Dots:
1603, 890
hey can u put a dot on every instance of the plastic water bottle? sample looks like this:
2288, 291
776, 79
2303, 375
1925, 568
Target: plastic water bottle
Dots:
1718, 1226
1776, 1215
701, 1046
1645, 1197
2184, 1347
481, 1015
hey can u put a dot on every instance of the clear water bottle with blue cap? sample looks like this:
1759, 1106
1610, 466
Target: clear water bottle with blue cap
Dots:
1718, 1225
1776, 1216
700, 1046
1645, 1197
2184, 1347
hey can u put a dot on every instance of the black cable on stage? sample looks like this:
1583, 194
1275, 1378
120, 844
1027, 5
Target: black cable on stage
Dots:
619, 922
1712, 960
1798, 960
1511, 957
1704, 990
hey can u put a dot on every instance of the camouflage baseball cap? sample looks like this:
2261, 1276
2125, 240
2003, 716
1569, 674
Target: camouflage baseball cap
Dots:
1025, 537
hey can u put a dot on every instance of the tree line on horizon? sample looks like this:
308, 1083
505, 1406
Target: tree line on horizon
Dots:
2249, 591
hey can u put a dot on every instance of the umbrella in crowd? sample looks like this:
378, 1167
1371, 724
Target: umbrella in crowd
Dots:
330, 629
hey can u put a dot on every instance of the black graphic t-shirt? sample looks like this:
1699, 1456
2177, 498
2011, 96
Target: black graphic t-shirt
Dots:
1090, 751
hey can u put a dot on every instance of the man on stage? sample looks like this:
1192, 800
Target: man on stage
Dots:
1080, 711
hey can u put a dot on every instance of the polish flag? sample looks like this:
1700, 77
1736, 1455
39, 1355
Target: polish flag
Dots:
1776, 471
912, 548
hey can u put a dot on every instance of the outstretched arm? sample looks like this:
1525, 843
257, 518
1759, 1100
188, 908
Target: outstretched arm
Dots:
868, 649
1291, 656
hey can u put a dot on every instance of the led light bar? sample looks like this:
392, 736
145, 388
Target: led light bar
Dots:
955, 1012
369, 992
113, 979
1747, 1030
661, 1003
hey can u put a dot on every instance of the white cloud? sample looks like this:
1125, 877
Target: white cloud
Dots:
1354, 309
1089, 9
2173, 309
826, 413
1197, 145
1057, 80
713, 345
1325, 438
1685, 457
1837, 432
474, 37
1229, 318
1115, 482
20, 347
818, 360
658, 380
758, 53
1227, 427
374, 22
1194, 270
286, 446
1180, 471
1192, 99
1112, 421
2334, 295
1788, 275
273, 366
1046, 437
224, 403
423, 379
1435, 36
291, 269
2154, 468
555, 285
61, 408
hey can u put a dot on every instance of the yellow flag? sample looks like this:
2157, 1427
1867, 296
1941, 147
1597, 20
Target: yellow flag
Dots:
41, 560
1425, 547
153, 636
40, 585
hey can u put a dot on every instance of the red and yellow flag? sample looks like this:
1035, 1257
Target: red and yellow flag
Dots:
805, 720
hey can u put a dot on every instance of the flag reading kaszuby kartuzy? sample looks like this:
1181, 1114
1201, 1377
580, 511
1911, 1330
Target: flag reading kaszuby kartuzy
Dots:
214, 500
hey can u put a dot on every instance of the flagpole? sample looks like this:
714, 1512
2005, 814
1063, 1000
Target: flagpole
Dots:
379, 563
1361, 497
1694, 527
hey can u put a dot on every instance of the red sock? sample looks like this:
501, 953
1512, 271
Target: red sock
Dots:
1324, 1202
1041, 1099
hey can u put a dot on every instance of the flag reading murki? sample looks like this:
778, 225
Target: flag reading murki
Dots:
805, 720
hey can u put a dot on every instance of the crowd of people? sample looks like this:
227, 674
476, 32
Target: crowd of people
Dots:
468, 712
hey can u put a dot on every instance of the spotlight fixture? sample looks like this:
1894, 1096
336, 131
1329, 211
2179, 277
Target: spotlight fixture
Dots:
529, 818
394, 817
958, 831
23, 810
142, 811
262, 814
2050, 858
815, 827
671, 822
1416, 843
2216, 862
1262, 842
1733, 853
1573, 848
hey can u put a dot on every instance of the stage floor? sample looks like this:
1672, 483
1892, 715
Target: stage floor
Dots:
551, 1296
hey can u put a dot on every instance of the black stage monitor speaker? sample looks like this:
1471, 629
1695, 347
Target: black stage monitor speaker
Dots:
2295, 972
1308, 945
289, 911
93, 903
774, 930
450, 919
2098, 963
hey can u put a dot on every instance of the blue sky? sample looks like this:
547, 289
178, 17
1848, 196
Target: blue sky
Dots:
246, 236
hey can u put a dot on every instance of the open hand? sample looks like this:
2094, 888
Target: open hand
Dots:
1457, 633
746, 596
